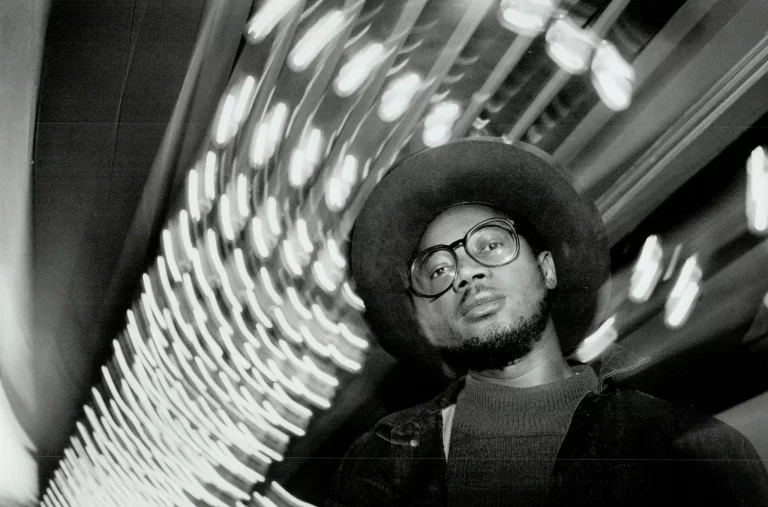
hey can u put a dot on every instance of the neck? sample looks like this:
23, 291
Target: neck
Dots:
544, 364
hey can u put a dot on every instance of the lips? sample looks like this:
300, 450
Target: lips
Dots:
481, 304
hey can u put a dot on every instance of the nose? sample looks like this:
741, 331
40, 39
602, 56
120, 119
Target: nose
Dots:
468, 271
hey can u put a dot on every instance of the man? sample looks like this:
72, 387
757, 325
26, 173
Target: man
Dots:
482, 253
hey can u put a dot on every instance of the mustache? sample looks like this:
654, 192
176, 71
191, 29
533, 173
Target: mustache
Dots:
471, 292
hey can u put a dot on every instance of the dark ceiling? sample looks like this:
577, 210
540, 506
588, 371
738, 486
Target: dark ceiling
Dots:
112, 76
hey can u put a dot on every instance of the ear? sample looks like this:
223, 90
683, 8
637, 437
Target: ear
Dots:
547, 267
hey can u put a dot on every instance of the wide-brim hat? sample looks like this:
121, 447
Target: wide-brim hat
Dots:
516, 179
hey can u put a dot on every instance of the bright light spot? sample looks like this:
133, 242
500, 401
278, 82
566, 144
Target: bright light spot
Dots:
352, 298
290, 259
266, 281
612, 76
647, 271
526, 17
354, 73
169, 256
272, 217
258, 147
352, 338
289, 499
334, 252
266, 19
341, 183
243, 206
293, 297
398, 96
277, 122
244, 98
186, 239
258, 239
242, 270
192, 193
596, 343
322, 278
757, 191
315, 40
296, 171
681, 300
570, 46
225, 218
303, 234
257, 311
224, 129
323, 319
343, 361
313, 343
210, 175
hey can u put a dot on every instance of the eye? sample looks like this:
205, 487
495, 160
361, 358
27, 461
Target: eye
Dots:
438, 272
491, 246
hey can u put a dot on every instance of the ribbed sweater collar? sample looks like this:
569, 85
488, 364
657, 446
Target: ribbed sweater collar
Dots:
490, 409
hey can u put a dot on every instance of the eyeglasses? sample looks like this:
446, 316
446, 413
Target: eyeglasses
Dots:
491, 243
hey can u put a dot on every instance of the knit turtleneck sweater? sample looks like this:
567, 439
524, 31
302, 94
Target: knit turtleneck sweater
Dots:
504, 440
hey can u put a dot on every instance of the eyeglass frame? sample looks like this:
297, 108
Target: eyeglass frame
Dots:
459, 243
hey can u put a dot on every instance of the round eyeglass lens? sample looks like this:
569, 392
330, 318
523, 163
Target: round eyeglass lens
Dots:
433, 272
492, 245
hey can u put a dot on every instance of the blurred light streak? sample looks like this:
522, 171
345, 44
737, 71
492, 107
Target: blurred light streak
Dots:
596, 343
169, 256
242, 270
266, 19
438, 124
341, 183
526, 17
253, 304
269, 287
352, 338
398, 96
296, 303
273, 220
291, 262
343, 361
244, 99
286, 328
335, 253
303, 235
352, 298
757, 191
257, 154
612, 76
312, 343
683, 297
224, 129
147, 286
647, 270
278, 118
257, 238
320, 374
193, 186
210, 175
673, 262
354, 73
315, 40
323, 319
322, 278
570, 46
243, 202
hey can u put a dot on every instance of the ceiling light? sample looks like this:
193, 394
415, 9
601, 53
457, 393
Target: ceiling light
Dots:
354, 73
647, 271
757, 191
612, 76
570, 46
684, 294
398, 96
526, 17
438, 125
315, 40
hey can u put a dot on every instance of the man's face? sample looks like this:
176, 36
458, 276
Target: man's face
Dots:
489, 317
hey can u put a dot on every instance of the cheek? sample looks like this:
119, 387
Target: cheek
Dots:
434, 320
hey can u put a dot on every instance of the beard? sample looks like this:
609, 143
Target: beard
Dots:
499, 347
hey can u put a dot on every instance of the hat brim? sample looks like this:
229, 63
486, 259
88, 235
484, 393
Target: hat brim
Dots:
518, 180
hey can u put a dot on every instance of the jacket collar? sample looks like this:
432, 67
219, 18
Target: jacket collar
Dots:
406, 426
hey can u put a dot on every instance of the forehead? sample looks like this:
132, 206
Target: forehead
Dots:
454, 223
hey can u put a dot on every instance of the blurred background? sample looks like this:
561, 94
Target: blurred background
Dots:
181, 177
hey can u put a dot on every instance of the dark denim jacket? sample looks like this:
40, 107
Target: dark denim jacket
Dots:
622, 447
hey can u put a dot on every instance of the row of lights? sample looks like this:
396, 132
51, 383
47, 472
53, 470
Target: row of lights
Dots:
649, 269
575, 49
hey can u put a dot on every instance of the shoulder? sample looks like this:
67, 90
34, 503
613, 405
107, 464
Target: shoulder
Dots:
682, 427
